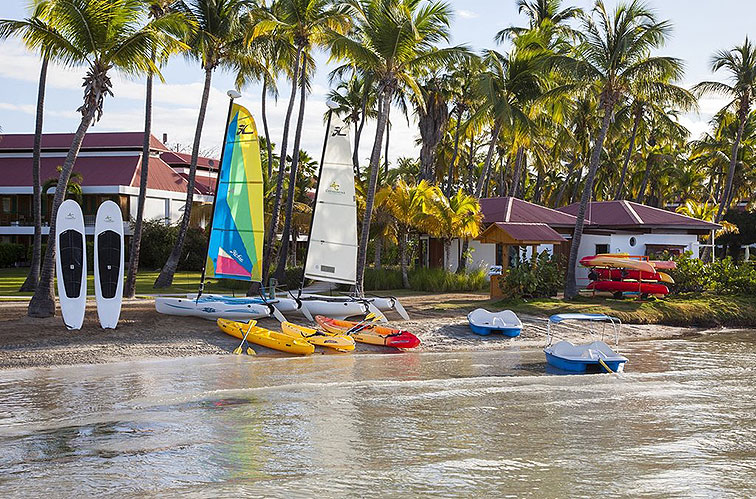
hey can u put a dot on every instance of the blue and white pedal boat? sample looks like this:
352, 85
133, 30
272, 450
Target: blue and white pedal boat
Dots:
484, 322
594, 357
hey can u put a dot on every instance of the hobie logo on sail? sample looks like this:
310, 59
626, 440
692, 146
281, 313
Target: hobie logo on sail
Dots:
338, 131
335, 188
245, 130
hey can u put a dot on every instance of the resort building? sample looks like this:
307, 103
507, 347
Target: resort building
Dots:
514, 228
108, 167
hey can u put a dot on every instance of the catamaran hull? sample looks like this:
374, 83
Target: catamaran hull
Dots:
338, 309
211, 309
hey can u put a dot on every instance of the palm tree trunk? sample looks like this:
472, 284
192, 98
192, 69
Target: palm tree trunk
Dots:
386, 152
42, 303
136, 238
358, 136
165, 278
517, 172
576, 187
378, 252
644, 182
563, 187
30, 284
403, 259
447, 255
489, 158
538, 187
450, 175
384, 106
462, 263
570, 285
726, 196
268, 145
621, 187
285, 235
268, 250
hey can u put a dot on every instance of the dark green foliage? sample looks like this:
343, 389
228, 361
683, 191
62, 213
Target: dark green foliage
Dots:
11, 253
158, 240
691, 274
542, 280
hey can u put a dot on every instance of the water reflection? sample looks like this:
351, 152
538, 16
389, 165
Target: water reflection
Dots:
678, 422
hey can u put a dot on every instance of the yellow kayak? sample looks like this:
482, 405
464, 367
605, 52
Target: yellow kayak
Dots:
266, 338
340, 342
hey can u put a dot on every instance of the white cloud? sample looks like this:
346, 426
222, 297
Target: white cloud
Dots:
467, 14
26, 109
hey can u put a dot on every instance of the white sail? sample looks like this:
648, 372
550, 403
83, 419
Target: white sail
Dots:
332, 254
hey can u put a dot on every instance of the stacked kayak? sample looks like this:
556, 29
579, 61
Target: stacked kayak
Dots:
621, 273
369, 333
266, 338
339, 342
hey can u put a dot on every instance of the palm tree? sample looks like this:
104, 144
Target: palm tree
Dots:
306, 24
157, 9
410, 206
456, 217
103, 35
31, 30
613, 57
505, 88
355, 101
391, 41
219, 40
740, 64
432, 117
543, 14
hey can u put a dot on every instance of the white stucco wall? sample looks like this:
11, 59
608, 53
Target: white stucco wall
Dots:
481, 255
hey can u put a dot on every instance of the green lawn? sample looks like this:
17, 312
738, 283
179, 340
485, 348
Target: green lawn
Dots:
183, 282
706, 310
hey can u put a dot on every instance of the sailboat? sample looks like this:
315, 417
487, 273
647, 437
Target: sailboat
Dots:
237, 229
332, 246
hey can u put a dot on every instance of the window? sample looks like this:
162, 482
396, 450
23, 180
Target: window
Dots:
632, 241
499, 254
602, 248
6, 205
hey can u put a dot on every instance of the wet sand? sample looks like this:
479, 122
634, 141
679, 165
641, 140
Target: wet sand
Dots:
439, 320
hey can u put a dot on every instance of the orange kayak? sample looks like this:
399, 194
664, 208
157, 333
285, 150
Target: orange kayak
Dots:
374, 335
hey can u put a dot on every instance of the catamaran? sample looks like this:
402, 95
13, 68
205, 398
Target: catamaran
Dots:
332, 246
237, 229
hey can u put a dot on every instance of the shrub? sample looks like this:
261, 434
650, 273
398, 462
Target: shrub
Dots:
10, 253
158, 240
542, 280
195, 250
385, 278
443, 281
691, 274
730, 279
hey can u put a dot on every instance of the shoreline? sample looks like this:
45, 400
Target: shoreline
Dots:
143, 334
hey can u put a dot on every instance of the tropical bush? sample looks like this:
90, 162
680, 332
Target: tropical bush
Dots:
540, 279
10, 253
727, 278
691, 274
158, 240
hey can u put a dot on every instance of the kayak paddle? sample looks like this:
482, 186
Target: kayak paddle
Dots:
238, 350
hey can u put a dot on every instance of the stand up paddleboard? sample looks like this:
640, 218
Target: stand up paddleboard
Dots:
71, 263
108, 263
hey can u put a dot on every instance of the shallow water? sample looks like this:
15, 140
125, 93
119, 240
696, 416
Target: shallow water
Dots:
679, 422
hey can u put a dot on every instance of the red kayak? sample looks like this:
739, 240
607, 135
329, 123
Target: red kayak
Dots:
620, 274
646, 288
374, 335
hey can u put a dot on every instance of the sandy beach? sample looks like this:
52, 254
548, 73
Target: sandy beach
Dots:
143, 333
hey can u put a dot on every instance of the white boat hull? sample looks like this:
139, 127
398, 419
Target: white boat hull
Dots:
211, 309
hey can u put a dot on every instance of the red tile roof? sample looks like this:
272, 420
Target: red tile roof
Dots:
525, 232
163, 177
175, 158
510, 209
627, 214
92, 140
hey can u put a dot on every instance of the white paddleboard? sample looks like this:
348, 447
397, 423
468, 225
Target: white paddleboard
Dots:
108, 263
71, 263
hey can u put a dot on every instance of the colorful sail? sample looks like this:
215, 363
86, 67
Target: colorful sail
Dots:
332, 254
237, 233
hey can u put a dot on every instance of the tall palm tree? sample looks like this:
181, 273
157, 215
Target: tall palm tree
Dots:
157, 9
30, 30
307, 24
219, 40
104, 35
391, 41
509, 83
614, 55
740, 65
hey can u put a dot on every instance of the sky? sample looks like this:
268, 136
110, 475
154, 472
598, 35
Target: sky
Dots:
700, 28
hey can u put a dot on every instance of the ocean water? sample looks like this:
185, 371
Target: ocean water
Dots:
680, 422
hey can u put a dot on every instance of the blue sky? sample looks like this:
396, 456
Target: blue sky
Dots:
700, 28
